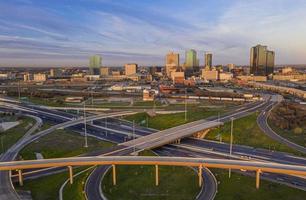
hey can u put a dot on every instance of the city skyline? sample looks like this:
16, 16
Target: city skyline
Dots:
35, 33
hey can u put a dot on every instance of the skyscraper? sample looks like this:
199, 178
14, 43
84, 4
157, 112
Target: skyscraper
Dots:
173, 58
191, 64
130, 69
190, 59
95, 63
261, 60
208, 60
172, 63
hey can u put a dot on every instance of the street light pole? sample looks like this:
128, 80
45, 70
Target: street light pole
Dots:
85, 126
185, 104
231, 144
106, 126
19, 95
134, 148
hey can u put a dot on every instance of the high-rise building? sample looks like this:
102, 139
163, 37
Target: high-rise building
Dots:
173, 58
208, 60
270, 62
261, 61
191, 59
191, 64
172, 63
95, 63
230, 66
55, 72
130, 69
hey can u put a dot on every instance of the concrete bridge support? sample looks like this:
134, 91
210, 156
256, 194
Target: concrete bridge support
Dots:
200, 176
114, 175
156, 175
70, 174
20, 177
258, 172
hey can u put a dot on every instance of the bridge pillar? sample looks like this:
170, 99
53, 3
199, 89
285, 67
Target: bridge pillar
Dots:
156, 175
258, 172
70, 174
200, 175
20, 178
114, 175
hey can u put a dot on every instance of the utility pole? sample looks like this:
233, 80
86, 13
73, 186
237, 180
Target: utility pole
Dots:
106, 126
91, 98
19, 95
85, 126
231, 144
185, 104
134, 148
2, 144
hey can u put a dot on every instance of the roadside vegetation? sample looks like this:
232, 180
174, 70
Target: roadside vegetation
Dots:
62, 143
165, 121
247, 132
289, 120
11, 136
76, 190
47, 187
138, 182
240, 187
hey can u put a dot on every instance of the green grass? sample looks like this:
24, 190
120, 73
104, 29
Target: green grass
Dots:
11, 136
165, 121
298, 138
240, 187
147, 103
75, 191
55, 101
138, 182
46, 188
247, 132
62, 143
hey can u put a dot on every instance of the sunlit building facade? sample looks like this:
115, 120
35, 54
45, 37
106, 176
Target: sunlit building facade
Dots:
95, 63
261, 61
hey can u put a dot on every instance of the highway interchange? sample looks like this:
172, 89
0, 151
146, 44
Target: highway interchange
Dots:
189, 147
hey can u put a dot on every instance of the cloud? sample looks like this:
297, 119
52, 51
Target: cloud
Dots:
143, 31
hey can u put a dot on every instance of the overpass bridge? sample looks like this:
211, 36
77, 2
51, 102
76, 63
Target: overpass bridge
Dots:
258, 167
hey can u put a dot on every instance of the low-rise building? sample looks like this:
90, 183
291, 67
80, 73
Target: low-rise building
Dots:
252, 78
40, 77
210, 75
28, 77
224, 77
178, 77
148, 95
104, 71
56, 72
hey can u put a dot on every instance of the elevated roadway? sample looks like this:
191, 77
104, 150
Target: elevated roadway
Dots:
258, 167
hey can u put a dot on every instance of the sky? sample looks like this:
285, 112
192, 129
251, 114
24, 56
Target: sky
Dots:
66, 32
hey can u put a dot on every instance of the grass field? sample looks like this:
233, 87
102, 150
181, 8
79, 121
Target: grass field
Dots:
298, 138
11, 136
247, 132
75, 191
165, 121
62, 143
138, 183
46, 188
240, 187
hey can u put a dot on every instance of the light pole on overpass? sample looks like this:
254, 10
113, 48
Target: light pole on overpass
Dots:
185, 104
231, 144
85, 126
